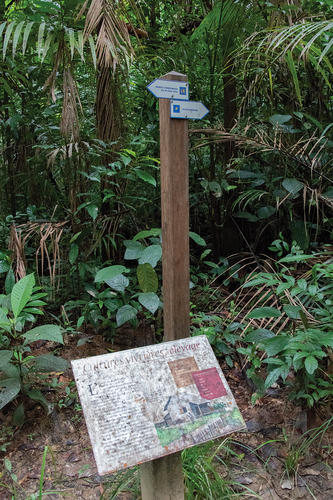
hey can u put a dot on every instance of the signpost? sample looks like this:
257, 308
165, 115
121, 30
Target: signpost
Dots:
145, 405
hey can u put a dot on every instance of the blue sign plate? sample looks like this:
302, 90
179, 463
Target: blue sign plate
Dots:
190, 110
169, 89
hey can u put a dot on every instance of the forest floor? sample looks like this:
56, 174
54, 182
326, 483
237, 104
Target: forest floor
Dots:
273, 460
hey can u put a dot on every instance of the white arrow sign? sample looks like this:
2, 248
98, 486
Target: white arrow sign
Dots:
169, 89
190, 110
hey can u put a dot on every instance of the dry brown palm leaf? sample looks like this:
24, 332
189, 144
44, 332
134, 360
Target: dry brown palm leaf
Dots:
18, 257
108, 19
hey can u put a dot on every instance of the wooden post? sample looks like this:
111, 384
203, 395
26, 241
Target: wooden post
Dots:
175, 220
162, 479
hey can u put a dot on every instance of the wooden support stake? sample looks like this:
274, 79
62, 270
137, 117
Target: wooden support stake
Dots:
162, 479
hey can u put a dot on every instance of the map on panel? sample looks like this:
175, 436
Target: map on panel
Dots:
145, 403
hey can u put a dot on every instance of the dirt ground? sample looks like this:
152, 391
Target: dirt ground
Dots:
269, 461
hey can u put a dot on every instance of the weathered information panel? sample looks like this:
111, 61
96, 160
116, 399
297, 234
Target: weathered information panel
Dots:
145, 403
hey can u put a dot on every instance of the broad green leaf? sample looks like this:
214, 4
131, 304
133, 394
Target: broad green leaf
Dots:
311, 364
49, 363
4, 322
145, 176
278, 120
151, 255
26, 36
195, 237
147, 277
108, 273
281, 371
71, 36
7, 36
4, 266
258, 335
10, 389
125, 313
73, 253
5, 357
282, 287
2, 27
134, 250
302, 284
265, 212
292, 311
79, 44
92, 209
296, 258
275, 345
246, 215
264, 312
118, 283
292, 185
9, 281
21, 293
150, 301
37, 395
44, 332
18, 415
10, 371
147, 233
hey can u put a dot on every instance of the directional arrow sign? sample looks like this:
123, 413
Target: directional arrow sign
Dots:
168, 89
189, 110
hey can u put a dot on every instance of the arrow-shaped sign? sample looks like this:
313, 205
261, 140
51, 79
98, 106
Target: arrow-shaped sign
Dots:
169, 89
190, 110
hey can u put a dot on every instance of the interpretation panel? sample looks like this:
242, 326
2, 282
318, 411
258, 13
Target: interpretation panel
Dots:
145, 403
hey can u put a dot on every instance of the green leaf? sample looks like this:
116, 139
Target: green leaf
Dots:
259, 335
311, 364
296, 258
5, 357
134, 250
292, 311
92, 209
49, 363
4, 322
150, 301
275, 345
4, 266
264, 312
278, 120
292, 185
18, 415
16, 36
21, 293
109, 272
148, 233
151, 255
40, 39
10, 389
26, 36
282, 287
147, 277
281, 371
44, 332
265, 212
119, 283
125, 313
73, 253
10, 371
145, 176
93, 50
10, 281
195, 237
7, 36
37, 395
